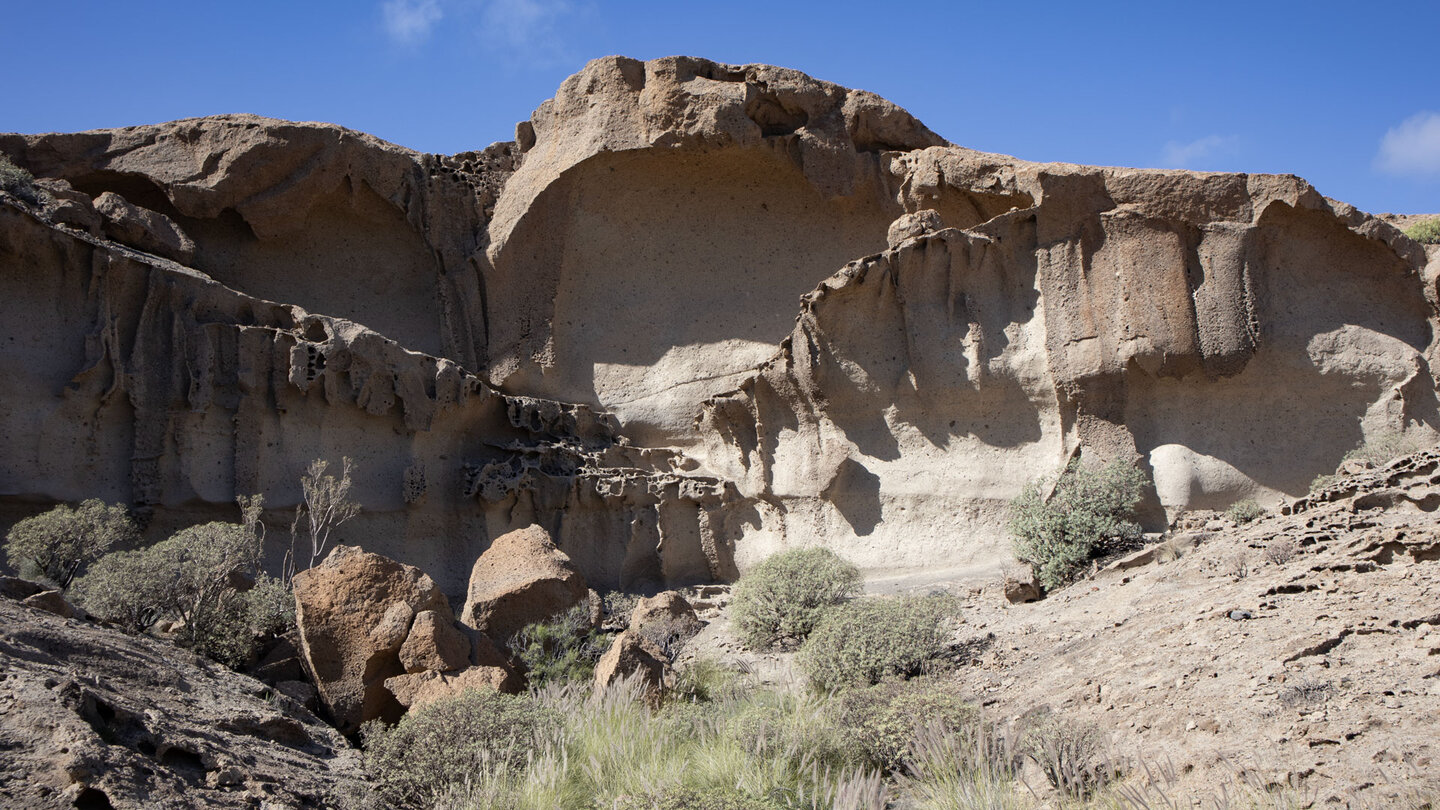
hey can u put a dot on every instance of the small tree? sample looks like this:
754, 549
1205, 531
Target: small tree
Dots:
1087, 507
62, 541
326, 505
779, 601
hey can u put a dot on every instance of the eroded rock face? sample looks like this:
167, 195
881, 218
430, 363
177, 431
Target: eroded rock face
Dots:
355, 612
594, 328
521, 579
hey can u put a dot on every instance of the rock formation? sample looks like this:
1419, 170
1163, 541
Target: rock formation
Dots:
90, 717
693, 313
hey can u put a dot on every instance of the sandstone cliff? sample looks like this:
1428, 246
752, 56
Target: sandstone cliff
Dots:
673, 323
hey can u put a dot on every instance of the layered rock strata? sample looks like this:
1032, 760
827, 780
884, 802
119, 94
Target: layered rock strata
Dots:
594, 328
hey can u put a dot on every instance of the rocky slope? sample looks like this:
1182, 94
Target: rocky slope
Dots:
1300, 651
693, 313
93, 718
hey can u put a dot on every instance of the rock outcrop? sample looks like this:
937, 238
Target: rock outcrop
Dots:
90, 717
692, 314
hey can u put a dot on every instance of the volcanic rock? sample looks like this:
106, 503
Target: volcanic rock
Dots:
522, 578
632, 655
91, 717
354, 613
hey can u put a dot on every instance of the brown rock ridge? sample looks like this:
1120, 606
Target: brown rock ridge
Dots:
598, 321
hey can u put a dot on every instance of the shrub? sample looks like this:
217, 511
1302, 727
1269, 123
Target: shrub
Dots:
778, 603
1384, 447
867, 640
1426, 233
879, 723
440, 746
1087, 508
1072, 756
325, 504
1280, 551
193, 577
271, 605
17, 181
1243, 512
798, 730
561, 649
60, 542
124, 587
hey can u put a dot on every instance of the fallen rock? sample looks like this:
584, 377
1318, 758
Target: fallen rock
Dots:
434, 643
302, 692
354, 612
666, 619
632, 655
522, 578
52, 602
17, 588
281, 662
425, 687
144, 229
1023, 587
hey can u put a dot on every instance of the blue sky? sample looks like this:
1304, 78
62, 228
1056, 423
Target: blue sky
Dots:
1344, 94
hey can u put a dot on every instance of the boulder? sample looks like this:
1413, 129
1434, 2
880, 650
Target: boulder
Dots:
354, 612
17, 588
144, 229
419, 688
434, 643
632, 655
281, 662
51, 601
1023, 586
665, 619
522, 578
910, 226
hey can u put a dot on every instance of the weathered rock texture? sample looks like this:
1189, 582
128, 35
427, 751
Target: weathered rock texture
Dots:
521, 579
90, 717
594, 327
358, 616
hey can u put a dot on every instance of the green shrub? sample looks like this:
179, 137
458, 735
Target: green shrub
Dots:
19, 182
124, 587
62, 541
1426, 233
271, 605
1243, 512
440, 746
779, 601
561, 649
878, 723
192, 577
798, 730
1088, 507
864, 641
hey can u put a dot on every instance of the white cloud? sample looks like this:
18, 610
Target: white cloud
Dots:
526, 24
1413, 147
1177, 155
409, 22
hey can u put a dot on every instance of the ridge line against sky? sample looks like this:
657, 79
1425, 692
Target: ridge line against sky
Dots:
1341, 95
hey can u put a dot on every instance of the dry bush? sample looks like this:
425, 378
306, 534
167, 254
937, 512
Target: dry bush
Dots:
779, 602
326, 504
867, 640
1280, 551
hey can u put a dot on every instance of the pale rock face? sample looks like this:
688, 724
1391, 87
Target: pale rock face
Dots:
695, 313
